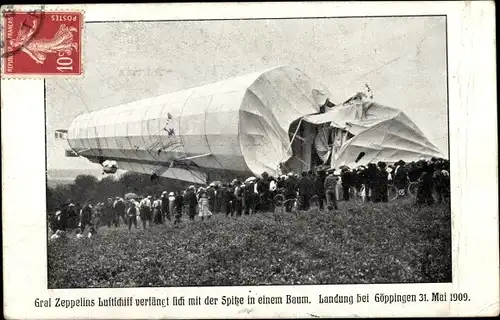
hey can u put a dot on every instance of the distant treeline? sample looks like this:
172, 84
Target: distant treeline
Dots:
87, 187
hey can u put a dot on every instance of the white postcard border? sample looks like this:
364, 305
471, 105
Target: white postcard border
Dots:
473, 154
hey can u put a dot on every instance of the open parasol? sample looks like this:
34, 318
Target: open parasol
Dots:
216, 184
131, 195
251, 179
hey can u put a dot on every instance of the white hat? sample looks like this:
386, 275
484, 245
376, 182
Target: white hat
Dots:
164, 192
171, 194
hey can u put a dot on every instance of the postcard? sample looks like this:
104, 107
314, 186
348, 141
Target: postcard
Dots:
249, 160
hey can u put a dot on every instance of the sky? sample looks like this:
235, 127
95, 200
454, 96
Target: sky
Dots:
403, 60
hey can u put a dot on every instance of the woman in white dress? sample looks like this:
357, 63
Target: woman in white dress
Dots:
171, 203
204, 206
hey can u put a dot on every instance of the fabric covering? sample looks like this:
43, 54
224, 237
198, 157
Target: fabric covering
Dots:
238, 125
382, 133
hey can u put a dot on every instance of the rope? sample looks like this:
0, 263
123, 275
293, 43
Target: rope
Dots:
291, 141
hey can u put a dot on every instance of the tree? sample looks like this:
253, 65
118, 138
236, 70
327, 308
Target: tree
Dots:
108, 187
134, 182
86, 181
49, 199
85, 187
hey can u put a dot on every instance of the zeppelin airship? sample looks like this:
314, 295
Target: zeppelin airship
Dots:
275, 121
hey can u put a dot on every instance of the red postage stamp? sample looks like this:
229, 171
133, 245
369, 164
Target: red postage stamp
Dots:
40, 43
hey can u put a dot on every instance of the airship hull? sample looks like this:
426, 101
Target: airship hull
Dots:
239, 126
274, 121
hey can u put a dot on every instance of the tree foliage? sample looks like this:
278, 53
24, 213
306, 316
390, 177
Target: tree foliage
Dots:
88, 187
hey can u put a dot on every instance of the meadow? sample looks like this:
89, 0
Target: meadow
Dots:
394, 242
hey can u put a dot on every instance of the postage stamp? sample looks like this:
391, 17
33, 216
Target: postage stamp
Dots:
38, 43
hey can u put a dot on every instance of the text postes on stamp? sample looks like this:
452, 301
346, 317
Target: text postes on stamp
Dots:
38, 43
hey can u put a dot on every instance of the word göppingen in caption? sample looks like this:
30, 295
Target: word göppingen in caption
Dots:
393, 298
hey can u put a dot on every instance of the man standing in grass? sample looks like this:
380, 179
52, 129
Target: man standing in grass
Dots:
438, 182
191, 201
178, 204
381, 183
157, 215
85, 216
238, 198
248, 202
109, 213
165, 207
64, 216
319, 188
347, 181
330, 185
401, 176
263, 190
218, 198
145, 211
211, 197
306, 187
424, 191
226, 196
119, 207
290, 191
132, 215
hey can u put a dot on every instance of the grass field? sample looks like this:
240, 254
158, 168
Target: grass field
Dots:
368, 243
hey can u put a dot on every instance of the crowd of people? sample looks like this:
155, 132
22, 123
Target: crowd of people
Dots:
259, 194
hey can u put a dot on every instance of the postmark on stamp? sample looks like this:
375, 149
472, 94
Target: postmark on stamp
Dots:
41, 43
